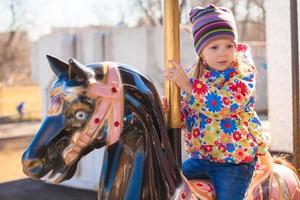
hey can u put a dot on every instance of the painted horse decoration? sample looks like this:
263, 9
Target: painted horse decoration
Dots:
112, 105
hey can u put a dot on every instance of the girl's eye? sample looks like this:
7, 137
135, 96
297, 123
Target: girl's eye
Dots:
230, 46
81, 115
214, 47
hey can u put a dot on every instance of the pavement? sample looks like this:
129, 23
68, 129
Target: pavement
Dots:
27, 189
19, 129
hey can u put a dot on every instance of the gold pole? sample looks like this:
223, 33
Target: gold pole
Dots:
172, 92
171, 52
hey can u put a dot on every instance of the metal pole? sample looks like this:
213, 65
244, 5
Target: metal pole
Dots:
1, 100
172, 92
295, 83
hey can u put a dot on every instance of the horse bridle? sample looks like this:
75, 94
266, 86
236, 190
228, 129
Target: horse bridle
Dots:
108, 106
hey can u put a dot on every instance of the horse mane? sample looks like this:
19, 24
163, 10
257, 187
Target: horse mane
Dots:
140, 90
283, 160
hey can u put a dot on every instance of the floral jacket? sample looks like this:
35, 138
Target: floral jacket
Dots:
218, 118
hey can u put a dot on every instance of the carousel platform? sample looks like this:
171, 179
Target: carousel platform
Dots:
27, 189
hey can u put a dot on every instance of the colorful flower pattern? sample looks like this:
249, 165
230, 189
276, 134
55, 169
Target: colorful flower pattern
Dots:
219, 119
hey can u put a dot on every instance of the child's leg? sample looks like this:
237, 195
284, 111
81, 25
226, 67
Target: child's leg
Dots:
195, 168
231, 181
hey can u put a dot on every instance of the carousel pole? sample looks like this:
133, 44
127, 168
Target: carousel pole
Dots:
172, 92
295, 82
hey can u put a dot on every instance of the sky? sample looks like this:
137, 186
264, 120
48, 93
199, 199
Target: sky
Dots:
38, 16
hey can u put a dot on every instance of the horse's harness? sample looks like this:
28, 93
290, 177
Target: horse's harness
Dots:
109, 107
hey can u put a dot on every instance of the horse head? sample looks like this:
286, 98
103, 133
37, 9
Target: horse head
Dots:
104, 104
85, 112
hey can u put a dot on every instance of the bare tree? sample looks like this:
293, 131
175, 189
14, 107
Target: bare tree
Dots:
261, 21
12, 41
151, 11
245, 21
234, 7
182, 7
249, 14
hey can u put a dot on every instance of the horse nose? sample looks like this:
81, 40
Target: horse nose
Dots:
33, 167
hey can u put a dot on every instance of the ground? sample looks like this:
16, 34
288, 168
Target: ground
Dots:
10, 158
14, 137
12, 96
14, 184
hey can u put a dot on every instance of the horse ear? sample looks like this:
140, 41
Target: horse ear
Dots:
58, 66
80, 71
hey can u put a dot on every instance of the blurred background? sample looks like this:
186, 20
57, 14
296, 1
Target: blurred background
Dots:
97, 30
127, 31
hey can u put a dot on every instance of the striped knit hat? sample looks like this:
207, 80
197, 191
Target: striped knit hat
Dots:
211, 23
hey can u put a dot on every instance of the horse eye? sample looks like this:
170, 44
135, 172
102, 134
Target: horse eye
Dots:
81, 115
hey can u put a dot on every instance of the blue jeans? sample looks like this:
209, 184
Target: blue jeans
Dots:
231, 181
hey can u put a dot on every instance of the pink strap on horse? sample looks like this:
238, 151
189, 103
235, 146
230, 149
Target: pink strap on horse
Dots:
108, 107
111, 98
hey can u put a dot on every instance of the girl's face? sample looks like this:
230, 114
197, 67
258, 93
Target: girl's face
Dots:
219, 54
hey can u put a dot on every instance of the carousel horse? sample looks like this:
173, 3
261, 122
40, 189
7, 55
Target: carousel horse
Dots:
112, 105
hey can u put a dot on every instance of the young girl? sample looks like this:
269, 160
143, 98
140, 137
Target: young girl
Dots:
221, 129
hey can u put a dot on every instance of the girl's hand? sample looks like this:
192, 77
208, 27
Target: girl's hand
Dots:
178, 75
165, 104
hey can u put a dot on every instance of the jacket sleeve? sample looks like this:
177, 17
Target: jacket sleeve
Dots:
263, 141
189, 70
